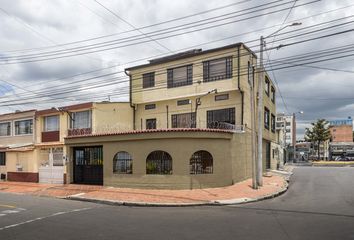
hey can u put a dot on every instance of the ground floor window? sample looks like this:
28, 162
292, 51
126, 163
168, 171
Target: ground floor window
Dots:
123, 163
159, 162
2, 158
201, 162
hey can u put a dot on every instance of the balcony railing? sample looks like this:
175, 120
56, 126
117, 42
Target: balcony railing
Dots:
226, 126
79, 131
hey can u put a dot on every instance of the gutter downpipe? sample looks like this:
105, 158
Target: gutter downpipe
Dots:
130, 97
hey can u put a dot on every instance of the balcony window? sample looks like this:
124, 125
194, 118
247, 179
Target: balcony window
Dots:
81, 120
217, 69
181, 76
266, 118
5, 129
184, 120
24, 127
148, 80
51, 123
221, 118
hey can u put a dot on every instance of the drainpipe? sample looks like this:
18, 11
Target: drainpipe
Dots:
242, 105
167, 116
238, 67
130, 97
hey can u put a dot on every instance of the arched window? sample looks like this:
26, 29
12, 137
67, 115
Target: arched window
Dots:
122, 163
201, 162
159, 162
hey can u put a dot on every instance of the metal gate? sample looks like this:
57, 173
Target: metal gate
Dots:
88, 165
52, 166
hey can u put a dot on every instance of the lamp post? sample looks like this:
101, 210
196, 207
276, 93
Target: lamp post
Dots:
198, 102
260, 104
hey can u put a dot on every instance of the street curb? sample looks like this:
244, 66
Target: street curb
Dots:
236, 201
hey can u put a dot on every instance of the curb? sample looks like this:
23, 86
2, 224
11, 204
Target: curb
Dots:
236, 201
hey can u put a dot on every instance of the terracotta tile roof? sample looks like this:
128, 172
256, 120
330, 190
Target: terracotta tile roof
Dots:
154, 131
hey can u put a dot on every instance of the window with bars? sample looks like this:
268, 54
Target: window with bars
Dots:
2, 158
221, 97
24, 127
151, 123
267, 86
184, 120
51, 123
148, 80
123, 163
150, 106
266, 118
220, 116
183, 102
180, 76
273, 123
5, 129
217, 69
272, 96
159, 162
81, 119
201, 162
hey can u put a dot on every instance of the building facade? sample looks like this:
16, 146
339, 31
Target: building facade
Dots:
341, 130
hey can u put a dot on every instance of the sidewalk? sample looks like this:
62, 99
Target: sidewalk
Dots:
238, 193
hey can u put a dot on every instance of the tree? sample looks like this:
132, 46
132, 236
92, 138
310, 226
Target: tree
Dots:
318, 134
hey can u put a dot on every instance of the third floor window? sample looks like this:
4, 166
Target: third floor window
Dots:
148, 80
217, 69
180, 76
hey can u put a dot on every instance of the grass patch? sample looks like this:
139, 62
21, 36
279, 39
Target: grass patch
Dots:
334, 163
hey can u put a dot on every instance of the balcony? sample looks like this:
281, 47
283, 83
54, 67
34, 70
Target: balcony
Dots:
52, 136
79, 131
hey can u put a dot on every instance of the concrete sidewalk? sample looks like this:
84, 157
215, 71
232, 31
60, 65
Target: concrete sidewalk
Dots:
274, 184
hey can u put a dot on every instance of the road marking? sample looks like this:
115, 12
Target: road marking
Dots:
16, 210
42, 218
7, 206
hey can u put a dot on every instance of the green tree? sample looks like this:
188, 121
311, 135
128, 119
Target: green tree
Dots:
318, 134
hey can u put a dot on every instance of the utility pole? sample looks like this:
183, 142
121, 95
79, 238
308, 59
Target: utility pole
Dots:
260, 116
253, 125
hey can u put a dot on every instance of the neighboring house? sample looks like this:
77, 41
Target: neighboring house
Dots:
17, 138
341, 130
191, 124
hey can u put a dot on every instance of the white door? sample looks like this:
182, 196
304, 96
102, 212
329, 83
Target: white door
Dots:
53, 170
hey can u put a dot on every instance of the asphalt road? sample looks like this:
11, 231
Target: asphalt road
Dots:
318, 205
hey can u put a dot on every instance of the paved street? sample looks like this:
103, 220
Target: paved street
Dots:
318, 205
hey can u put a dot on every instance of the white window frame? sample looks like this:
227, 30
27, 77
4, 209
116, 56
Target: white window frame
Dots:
72, 118
10, 129
45, 123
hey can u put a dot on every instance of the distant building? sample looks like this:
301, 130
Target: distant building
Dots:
290, 127
341, 130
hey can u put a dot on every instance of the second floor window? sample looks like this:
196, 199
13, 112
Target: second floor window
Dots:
24, 127
267, 86
272, 96
266, 118
51, 123
151, 123
217, 69
81, 119
273, 123
181, 76
148, 80
5, 129
184, 120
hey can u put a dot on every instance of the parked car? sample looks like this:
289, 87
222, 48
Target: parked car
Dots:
342, 158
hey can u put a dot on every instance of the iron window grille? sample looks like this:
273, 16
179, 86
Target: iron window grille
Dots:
273, 94
221, 97
217, 69
148, 80
180, 76
273, 123
183, 102
2, 158
151, 123
184, 120
123, 163
5, 129
159, 162
201, 162
267, 86
150, 106
266, 118
215, 117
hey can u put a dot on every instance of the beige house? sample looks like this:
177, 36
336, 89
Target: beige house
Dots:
17, 138
191, 121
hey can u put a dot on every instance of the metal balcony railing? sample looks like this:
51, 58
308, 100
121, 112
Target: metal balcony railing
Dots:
79, 131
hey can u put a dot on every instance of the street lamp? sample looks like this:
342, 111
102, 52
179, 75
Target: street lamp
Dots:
260, 104
198, 102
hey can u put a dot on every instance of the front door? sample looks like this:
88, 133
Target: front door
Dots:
88, 165
268, 165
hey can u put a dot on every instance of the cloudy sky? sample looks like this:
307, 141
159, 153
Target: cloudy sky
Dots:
55, 53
